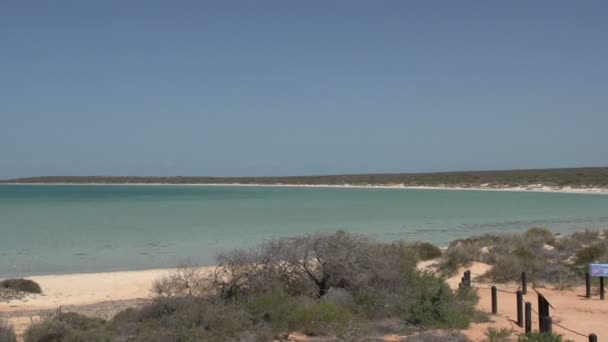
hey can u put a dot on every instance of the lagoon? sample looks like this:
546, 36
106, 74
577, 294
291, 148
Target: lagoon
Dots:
58, 229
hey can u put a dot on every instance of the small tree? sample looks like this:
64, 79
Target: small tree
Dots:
186, 281
313, 264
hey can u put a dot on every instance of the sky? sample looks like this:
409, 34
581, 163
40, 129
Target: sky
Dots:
268, 88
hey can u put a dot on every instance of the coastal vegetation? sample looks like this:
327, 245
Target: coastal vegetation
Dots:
21, 285
547, 258
7, 334
506, 335
17, 288
342, 286
567, 177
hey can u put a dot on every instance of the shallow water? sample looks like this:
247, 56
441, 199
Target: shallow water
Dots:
88, 228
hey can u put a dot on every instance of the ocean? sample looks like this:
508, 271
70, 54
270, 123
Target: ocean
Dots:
56, 229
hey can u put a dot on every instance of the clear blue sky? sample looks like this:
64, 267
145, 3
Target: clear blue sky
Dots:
231, 88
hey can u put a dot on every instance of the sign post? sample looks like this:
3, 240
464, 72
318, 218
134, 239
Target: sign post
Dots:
601, 271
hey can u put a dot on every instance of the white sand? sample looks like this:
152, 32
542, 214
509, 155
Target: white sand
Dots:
86, 288
483, 187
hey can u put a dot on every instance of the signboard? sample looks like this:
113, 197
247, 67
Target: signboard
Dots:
598, 270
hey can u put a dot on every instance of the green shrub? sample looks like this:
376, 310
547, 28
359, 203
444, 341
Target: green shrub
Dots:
458, 255
506, 268
68, 327
318, 318
540, 235
434, 304
426, 251
285, 314
542, 337
189, 319
21, 285
7, 334
586, 236
524, 254
439, 336
590, 254
274, 308
498, 335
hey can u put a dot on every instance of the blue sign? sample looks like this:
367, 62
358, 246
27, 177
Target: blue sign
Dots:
598, 270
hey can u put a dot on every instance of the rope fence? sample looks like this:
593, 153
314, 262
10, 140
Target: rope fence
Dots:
544, 318
570, 330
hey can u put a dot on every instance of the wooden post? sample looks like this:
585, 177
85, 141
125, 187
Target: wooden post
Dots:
592, 338
520, 309
540, 311
494, 301
528, 317
587, 285
544, 315
602, 288
548, 324
524, 283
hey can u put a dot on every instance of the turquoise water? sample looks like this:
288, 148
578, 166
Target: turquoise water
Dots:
64, 229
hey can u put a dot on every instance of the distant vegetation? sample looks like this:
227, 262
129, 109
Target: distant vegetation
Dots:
343, 286
573, 177
546, 257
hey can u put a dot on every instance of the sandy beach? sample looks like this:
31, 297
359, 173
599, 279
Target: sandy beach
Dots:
529, 188
94, 294
105, 294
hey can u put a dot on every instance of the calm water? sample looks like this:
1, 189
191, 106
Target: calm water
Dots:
64, 229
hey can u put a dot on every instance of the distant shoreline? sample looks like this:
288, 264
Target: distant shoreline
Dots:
587, 180
535, 188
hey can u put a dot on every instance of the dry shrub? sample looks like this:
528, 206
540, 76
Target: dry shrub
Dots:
439, 336
461, 253
68, 327
188, 319
593, 253
313, 264
185, 281
586, 236
7, 334
539, 235
426, 251
545, 258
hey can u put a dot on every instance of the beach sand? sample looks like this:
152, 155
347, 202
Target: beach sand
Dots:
94, 294
483, 187
104, 294
570, 308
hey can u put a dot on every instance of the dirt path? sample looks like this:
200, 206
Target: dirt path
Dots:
570, 309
